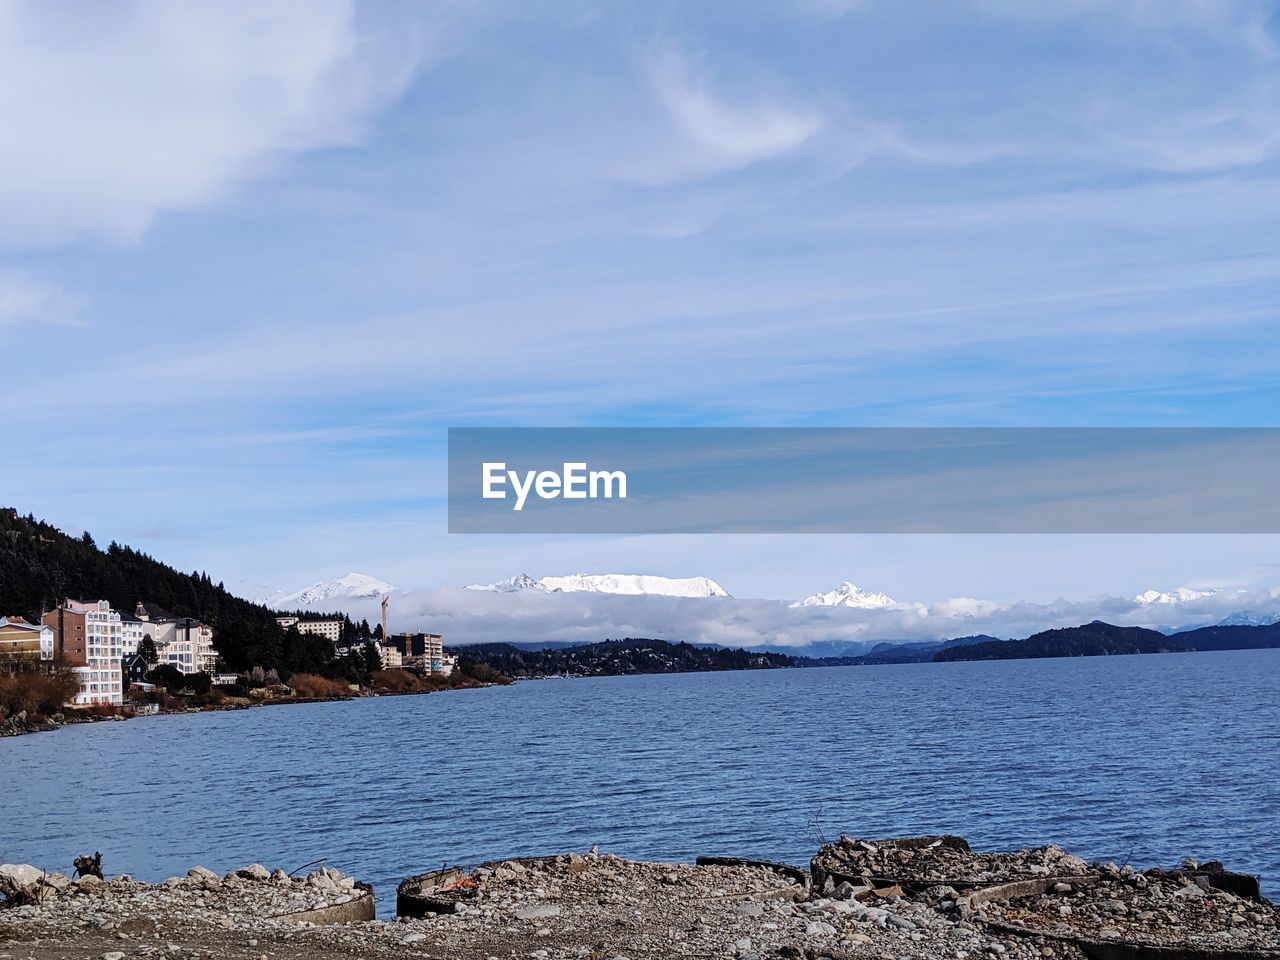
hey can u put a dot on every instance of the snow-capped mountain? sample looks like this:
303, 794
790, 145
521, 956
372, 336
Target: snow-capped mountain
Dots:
1249, 618
848, 594
521, 581
354, 586
1180, 595
625, 584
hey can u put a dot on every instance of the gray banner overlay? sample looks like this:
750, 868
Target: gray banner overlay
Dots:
864, 480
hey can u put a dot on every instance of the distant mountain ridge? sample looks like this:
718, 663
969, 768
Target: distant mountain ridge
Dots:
620, 584
1178, 595
1104, 639
1233, 637
1249, 618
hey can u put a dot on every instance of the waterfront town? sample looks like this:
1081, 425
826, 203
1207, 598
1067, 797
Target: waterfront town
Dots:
110, 651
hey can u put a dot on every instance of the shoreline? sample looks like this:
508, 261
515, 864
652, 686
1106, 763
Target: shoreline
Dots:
914, 897
21, 725
17, 726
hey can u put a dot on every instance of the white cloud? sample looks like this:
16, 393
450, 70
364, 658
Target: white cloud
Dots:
727, 135
473, 617
115, 114
26, 299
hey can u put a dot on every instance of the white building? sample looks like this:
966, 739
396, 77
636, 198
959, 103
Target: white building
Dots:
186, 644
391, 659
100, 680
331, 630
132, 630
23, 641
181, 642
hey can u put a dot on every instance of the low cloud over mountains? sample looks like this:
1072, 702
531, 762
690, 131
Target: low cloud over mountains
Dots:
537, 615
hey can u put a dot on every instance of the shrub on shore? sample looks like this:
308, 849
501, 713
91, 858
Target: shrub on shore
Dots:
395, 681
38, 692
310, 685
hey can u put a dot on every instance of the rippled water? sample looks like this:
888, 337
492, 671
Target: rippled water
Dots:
1141, 759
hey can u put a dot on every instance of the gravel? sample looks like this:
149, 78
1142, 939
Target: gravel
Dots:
601, 907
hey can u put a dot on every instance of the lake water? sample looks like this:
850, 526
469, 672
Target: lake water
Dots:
1139, 759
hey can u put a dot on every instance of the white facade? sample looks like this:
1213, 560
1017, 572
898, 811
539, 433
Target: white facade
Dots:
329, 629
186, 645
183, 643
100, 680
132, 630
391, 659
46, 642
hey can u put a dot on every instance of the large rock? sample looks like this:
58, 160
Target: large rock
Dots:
18, 876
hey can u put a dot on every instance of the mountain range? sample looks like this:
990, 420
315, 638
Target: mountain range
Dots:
848, 623
1179, 595
847, 594
620, 584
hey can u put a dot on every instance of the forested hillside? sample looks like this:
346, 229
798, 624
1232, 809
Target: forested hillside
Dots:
1090, 640
617, 657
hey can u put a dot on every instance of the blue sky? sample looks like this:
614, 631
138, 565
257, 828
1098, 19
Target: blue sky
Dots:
256, 258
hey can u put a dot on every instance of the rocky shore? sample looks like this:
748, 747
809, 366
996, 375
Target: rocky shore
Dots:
22, 722
918, 898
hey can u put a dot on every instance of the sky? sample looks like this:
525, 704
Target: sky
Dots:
256, 259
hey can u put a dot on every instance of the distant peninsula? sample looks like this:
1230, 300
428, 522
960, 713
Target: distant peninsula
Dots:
611, 658
1096, 639
1099, 639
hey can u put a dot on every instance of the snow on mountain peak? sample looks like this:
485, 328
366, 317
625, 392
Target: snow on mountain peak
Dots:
1250, 618
848, 594
352, 586
626, 584
1180, 595
521, 581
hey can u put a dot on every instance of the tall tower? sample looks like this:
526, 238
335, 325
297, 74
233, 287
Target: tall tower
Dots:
386, 637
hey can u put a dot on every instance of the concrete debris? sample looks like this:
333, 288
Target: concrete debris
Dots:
876, 899
1140, 910
917, 863
52, 908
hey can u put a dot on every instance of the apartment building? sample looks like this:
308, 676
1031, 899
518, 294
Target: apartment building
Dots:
67, 622
95, 641
424, 651
182, 642
89, 637
23, 642
132, 631
331, 630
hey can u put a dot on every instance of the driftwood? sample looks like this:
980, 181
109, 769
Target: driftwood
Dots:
87, 866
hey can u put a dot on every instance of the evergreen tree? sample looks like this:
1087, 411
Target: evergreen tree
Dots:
147, 650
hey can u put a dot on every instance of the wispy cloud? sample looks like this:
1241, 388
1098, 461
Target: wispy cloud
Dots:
826, 213
26, 299
725, 134
113, 116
